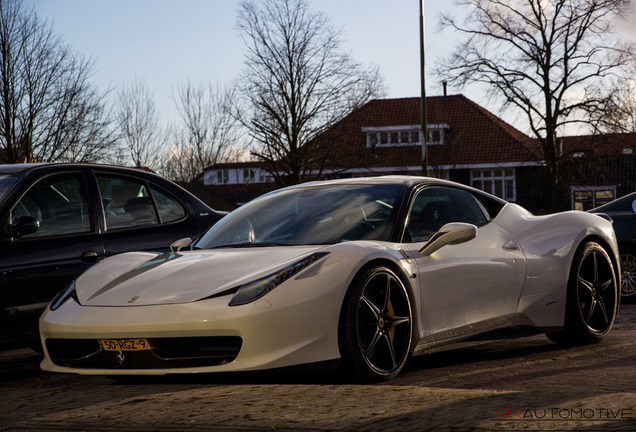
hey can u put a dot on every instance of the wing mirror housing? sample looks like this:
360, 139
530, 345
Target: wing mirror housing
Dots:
179, 244
450, 234
23, 226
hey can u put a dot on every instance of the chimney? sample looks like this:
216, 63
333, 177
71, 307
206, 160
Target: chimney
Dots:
444, 85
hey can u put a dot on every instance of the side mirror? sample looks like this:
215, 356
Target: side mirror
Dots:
450, 234
181, 243
23, 226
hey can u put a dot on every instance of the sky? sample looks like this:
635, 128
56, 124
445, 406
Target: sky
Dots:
165, 43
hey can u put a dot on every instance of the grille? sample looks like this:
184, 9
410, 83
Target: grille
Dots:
163, 353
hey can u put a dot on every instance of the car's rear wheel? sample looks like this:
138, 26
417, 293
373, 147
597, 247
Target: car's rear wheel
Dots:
592, 298
376, 326
628, 274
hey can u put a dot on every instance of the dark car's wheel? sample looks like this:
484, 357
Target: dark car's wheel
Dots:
376, 326
628, 274
592, 298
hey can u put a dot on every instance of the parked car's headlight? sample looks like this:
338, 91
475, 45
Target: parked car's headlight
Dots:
63, 296
251, 291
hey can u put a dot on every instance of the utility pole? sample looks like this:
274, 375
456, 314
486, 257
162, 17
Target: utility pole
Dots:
423, 90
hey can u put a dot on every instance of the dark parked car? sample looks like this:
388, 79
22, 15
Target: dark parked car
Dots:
623, 213
58, 219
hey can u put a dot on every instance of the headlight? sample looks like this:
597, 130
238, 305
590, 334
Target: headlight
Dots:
254, 290
63, 296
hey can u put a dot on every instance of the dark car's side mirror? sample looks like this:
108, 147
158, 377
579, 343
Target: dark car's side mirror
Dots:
23, 226
450, 234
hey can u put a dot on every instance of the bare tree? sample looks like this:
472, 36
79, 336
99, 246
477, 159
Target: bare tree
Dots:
544, 58
139, 126
618, 115
296, 84
48, 110
208, 132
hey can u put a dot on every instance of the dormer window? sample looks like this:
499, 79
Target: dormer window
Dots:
400, 136
223, 176
392, 136
250, 175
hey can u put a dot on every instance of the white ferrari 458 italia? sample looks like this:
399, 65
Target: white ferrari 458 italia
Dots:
365, 271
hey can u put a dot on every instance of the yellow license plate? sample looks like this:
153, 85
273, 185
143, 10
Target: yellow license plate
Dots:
124, 344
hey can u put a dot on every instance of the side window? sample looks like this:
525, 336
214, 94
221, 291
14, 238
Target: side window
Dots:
170, 209
436, 206
59, 202
127, 203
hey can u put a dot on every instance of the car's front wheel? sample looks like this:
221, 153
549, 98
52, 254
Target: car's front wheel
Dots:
376, 326
592, 297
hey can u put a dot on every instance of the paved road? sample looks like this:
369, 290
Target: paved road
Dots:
525, 384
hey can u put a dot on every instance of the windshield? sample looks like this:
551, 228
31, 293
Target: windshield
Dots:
309, 215
6, 183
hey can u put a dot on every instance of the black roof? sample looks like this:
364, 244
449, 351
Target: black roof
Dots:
27, 167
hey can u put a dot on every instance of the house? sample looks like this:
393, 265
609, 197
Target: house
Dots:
4, 157
465, 143
600, 169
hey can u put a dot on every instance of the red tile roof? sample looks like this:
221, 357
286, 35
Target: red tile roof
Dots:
4, 157
476, 136
600, 145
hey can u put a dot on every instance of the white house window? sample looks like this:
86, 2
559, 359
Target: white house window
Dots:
587, 197
499, 182
440, 174
223, 176
437, 134
250, 175
396, 136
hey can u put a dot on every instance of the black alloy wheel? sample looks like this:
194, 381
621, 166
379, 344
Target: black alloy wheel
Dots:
377, 327
592, 299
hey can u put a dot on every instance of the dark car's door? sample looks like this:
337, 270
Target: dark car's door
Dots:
141, 215
37, 265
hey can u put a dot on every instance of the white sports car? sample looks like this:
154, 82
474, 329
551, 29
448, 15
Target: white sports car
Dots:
367, 271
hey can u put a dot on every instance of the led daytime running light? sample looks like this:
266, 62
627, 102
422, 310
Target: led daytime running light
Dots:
251, 291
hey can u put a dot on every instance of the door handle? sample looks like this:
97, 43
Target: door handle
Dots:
89, 256
511, 246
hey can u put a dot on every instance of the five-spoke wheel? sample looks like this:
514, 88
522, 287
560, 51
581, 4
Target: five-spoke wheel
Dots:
376, 325
592, 298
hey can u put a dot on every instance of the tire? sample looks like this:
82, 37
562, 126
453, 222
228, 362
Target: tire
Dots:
592, 297
628, 274
375, 326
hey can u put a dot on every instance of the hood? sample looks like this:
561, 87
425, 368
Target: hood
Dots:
142, 278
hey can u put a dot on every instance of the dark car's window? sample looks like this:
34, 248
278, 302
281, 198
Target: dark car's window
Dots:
310, 215
127, 203
626, 203
6, 183
170, 209
435, 206
59, 202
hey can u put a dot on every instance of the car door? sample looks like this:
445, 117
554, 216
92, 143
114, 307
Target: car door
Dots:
140, 215
468, 287
36, 266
